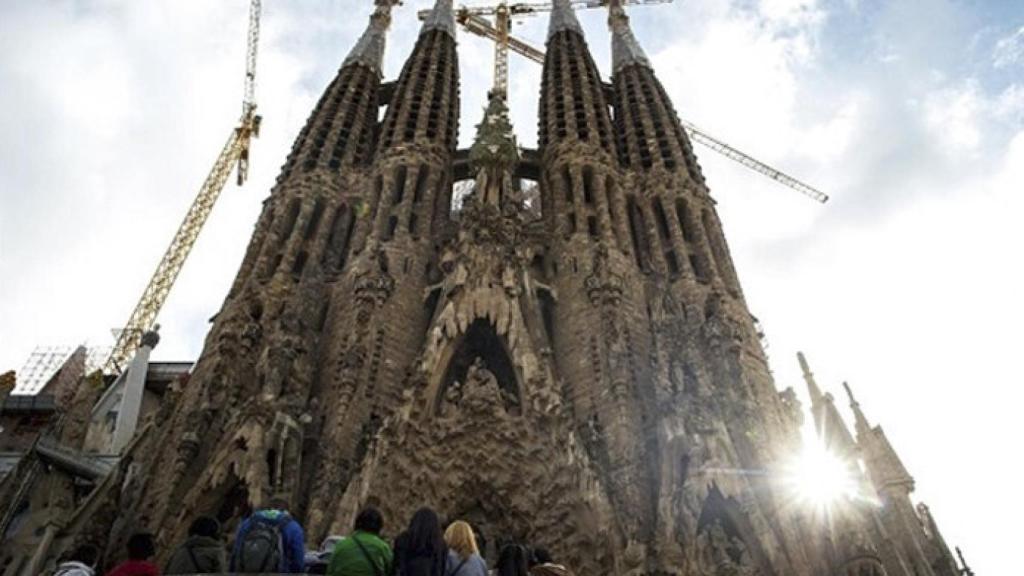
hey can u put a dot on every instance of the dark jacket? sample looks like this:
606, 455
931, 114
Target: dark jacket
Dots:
198, 555
410, 562
293, 540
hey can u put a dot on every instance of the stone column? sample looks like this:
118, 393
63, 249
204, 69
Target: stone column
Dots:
131, 396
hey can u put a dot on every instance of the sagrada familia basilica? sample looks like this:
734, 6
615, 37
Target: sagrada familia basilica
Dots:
570, 363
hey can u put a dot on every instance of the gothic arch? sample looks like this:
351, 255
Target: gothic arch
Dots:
480, 341
724, 527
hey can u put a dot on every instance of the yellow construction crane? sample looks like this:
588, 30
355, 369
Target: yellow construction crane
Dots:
235, 154
474, 20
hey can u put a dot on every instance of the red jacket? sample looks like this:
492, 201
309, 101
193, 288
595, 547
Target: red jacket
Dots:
135, 568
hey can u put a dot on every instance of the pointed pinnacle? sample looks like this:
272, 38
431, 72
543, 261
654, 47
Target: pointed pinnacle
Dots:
626, 50
441, 17
563, 17
369, 50
812, 385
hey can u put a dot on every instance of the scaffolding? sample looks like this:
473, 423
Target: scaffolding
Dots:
45, 361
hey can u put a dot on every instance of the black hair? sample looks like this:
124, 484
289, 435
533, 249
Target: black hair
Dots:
278, 504
205, 526
541, 556
369, 520
86, 554
425, 536
513, 561
141, 546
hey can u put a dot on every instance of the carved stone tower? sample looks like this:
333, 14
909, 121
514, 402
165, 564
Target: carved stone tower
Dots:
576, 369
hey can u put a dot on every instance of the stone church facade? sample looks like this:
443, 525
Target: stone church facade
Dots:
575, 368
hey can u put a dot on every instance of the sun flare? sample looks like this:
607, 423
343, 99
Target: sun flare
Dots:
820, 478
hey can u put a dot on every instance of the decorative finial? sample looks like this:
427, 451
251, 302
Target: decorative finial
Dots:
369, 50
626, 49
849, 394
563, 17
441, 17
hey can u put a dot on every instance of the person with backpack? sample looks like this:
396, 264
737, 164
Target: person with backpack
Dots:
421, 550
80, 562
269, 541
140, 549
543, 565
363, 553
202, 552
463, 555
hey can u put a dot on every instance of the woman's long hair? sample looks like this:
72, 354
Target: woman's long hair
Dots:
460, 538
425, 536
513, 561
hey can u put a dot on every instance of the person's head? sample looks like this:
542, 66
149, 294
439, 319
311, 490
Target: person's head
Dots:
425, 535
369, 520
513, 561
459, 537
542, 556
278, 504
205, 526
86, 554
141, 546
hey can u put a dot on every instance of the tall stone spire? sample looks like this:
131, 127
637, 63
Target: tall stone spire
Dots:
861, 422
827, 420
441, 17
626, 49
369, 50
563, 17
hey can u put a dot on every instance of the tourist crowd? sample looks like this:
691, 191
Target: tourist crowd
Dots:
271, 541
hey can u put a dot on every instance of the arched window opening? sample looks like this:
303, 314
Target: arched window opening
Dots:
314, 219
547, 313
398, 189
592, 226
718, 251
567, 186
421, 184
413, 223
570, 227
480, 374
659, 217
288, 224
588, 186
683, 215
299, 264
609, 190
672, 262
272, 463
321, 320
638, 233
389, 232
537, 267
336, 253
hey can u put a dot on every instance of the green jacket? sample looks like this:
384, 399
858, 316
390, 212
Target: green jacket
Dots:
349, 560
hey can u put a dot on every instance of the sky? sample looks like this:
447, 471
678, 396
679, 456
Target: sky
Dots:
909, 113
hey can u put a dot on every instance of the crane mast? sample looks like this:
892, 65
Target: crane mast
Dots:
234, 155
474, 20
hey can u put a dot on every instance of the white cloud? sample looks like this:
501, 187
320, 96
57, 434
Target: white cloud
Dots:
1009, 51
